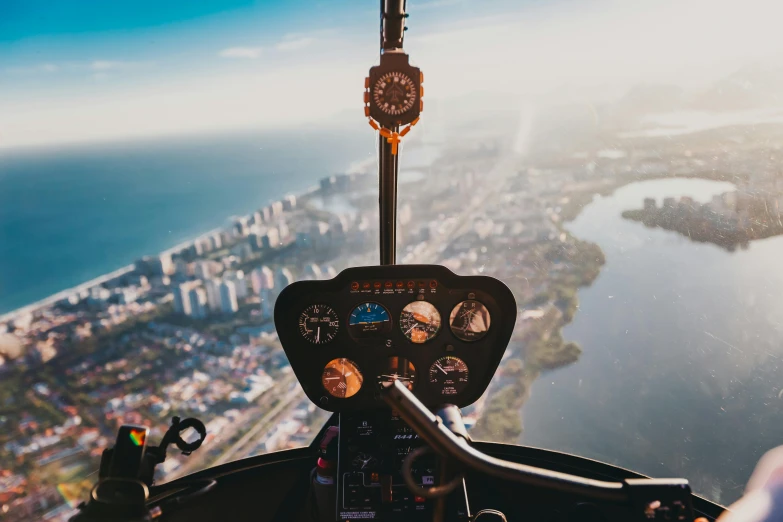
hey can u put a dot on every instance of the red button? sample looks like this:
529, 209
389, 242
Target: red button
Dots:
419, 500
433, 284
377, 284
411, 284
354, 286
421, 284
388, 284
366, 285
400, 284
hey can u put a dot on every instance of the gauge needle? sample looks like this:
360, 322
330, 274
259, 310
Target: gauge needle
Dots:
441, 368
318, 335
331, 378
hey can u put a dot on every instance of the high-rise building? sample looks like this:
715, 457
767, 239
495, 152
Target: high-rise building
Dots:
266, 214
216, 241
312, 271
159, 265
228, 298
271, 239
267, 303
213, 294
202, 269
276, 208
282, 230
283, 278
181, 299
240, 283
240, 226
262, 278
198, 303
329, 272
289, 203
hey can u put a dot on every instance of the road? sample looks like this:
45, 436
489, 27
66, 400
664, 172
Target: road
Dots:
194, 463
262, 426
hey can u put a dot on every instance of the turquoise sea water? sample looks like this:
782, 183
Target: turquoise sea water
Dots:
70, 215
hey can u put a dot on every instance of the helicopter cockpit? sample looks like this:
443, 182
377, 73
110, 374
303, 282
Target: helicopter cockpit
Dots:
394, 352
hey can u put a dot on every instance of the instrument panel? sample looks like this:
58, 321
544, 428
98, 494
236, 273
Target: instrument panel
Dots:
441, 334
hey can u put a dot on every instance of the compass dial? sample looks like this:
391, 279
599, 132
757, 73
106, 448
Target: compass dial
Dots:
394, 93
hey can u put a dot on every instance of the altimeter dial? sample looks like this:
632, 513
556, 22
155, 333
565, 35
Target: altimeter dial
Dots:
394, 93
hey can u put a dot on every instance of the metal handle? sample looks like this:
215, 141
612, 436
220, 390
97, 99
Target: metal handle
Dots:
447, 444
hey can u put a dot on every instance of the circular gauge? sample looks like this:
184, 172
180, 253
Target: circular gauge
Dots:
319, 324
469, 320
341, 378
369, 320
420, 321
394, 93
398, 369
364, 461
449, 375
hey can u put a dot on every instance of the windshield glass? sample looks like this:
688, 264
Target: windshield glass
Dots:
166, 168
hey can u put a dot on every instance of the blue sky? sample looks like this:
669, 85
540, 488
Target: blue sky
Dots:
85, 70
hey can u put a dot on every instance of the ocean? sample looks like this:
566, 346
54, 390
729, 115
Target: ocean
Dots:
73, 214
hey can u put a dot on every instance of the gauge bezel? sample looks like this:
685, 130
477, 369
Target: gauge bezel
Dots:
373, 335
439, 390
414, 381
429, 338
332, 312
483, 334
402, 75
356, 368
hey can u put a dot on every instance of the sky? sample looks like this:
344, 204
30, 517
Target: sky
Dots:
92, 70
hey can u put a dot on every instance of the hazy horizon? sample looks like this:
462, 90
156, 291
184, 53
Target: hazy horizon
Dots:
95, 74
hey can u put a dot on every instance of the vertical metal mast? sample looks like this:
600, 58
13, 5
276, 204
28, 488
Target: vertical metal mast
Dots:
392, 33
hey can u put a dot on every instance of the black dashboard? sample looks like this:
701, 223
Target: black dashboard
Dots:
441, 334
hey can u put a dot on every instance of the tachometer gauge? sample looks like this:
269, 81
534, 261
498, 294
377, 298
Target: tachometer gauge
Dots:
341, 378
469, 320
369, 320
398, 369
449, 375
319, 324
420, 321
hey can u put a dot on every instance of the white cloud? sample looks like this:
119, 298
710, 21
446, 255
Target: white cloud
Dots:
294, 44
242, 52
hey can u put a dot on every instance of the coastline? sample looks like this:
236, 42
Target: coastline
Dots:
53, 298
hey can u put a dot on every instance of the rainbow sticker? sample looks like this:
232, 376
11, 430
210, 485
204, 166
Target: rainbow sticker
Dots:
137, 436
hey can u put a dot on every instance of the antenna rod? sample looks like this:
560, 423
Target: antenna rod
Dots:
392, 33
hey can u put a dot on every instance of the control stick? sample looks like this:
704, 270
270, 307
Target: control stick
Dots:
446, 436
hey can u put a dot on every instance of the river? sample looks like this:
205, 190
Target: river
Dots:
682, 362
